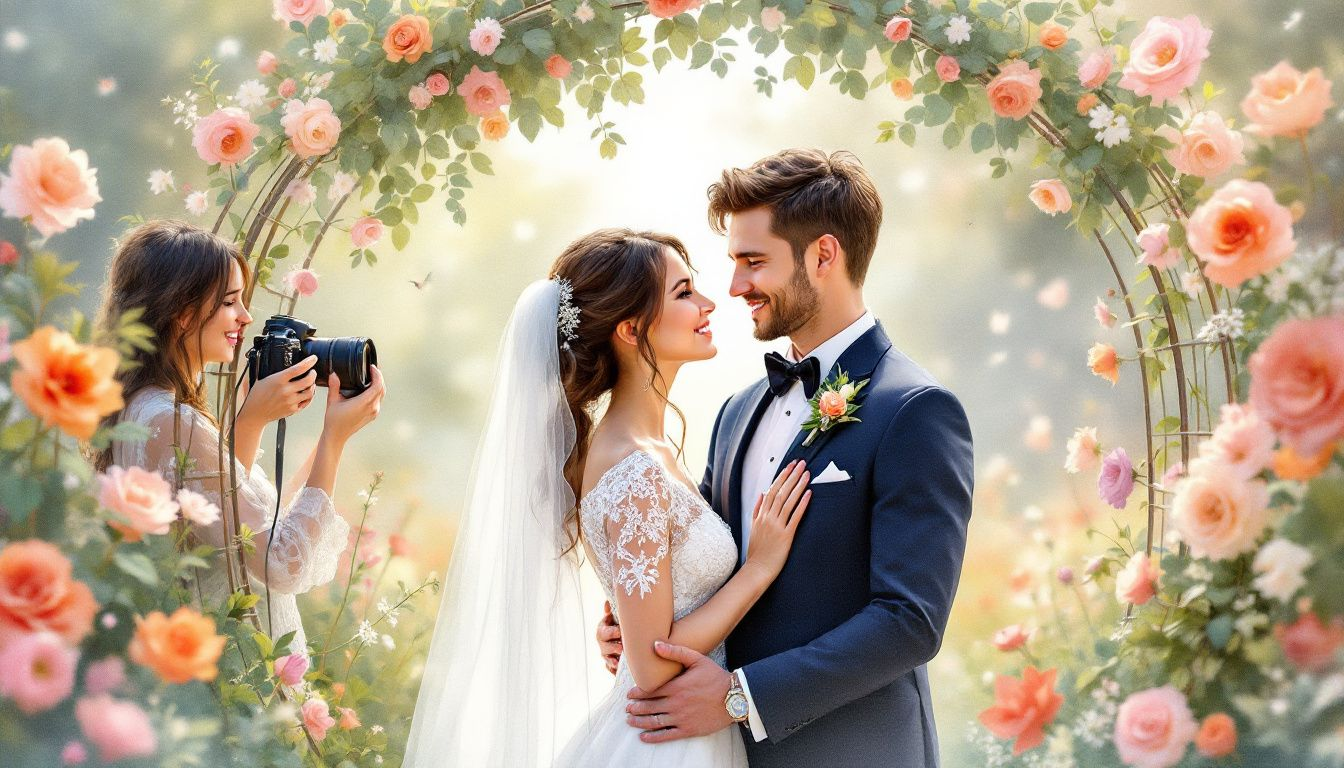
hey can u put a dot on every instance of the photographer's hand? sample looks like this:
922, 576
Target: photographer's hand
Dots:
271, 399
345, 416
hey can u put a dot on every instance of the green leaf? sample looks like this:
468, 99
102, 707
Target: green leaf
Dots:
137, 565
18, 435
1039, 13
481, 162
802, 69
938, 110
982, 137
401, 235
539, 42
1219, 631
907, 134
952, 135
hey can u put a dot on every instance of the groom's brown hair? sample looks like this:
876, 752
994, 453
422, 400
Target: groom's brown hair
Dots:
809, 194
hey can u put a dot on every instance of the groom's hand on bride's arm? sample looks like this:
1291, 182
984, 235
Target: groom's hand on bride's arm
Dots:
690, 704
609, 639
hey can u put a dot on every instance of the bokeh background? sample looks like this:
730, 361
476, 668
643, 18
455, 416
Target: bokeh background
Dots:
969, 278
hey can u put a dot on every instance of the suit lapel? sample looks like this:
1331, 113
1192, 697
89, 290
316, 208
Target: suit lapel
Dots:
754, 403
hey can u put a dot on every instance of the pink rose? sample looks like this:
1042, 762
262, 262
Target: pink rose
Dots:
366, 231
1011, 637
267, 63
832, 405
484, 92
74, 753
1242, 441
196, 508
485, 36
119, 729
302, 11
225, 136
287, 88
898, 29
1241, 232
1105, 317
317, 718
558, 66
1116, 480
105, 675
1013, 93
1084, 451
301, 281
312, 127
947, 68
349, 720
1137, 582
437, 84
1155, 242
8, 253
142, 499
420, 96
1310, 644
50, 184
1297, 382
1051, 196
291, 669
772, 18
1166, 56
37, 671
1219, 514
1206, 147
1285, 102
1095, 68
1154, 727
666, 9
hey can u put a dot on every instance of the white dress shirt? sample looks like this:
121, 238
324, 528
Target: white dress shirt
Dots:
773, 437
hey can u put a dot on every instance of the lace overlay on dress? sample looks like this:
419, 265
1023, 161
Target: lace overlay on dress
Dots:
308, 539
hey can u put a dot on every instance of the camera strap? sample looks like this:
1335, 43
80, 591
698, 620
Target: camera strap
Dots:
279, 479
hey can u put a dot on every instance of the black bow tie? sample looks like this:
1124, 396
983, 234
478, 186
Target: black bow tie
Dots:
783, 373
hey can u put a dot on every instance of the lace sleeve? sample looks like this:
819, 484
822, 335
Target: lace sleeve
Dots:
639, 527
308, 538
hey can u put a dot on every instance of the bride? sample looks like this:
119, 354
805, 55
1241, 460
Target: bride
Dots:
505, 683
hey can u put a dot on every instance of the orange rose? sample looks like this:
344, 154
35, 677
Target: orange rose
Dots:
178, 648
1103, 362
339, 18
832, 404
1217, 736
1086, 102
495, 126
1290, 465
1053, 36
1013, 93
1022, 708
408, 38
903, 88
37, 593
1286, 102
1241, 232
66, 383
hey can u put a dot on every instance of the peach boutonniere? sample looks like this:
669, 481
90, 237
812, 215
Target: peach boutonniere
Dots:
832, 404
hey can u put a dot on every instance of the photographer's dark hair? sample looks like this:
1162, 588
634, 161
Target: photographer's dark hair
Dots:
809, 194
167, 268
617, 275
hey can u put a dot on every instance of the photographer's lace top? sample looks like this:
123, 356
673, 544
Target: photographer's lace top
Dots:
309, 537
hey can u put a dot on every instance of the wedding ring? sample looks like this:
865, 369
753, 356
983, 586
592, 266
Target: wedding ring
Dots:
659, 720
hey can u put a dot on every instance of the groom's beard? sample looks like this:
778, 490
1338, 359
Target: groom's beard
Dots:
789, 310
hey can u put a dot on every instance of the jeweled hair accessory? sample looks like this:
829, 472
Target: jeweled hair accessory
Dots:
568, 315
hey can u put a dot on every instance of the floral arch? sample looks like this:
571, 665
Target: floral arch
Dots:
374, 107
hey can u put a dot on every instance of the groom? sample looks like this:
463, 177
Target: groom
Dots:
828, 668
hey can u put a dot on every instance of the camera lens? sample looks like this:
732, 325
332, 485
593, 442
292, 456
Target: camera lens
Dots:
350, 357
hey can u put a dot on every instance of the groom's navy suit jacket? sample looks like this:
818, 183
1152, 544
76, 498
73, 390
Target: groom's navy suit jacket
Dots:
834, 651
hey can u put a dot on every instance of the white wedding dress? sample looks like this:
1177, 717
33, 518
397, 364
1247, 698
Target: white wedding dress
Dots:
309, 537
632, 518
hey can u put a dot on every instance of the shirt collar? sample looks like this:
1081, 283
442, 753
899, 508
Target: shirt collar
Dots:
830, 350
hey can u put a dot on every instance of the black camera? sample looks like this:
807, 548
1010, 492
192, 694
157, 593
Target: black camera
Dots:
285, 340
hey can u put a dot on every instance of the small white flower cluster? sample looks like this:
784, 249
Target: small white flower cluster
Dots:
366, 634
185, 111
1112, 129
369, 500
1095, 725
1227, 324
1318, 271
325, 50
996, 753
251, 94
389, 613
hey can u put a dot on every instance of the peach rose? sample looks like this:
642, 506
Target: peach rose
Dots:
119, 729
420, 97
37, 671
1102, 361
287, 88
317, 718
1290, 465
495, 126
1297, 382
312, 127
1286, 102
1206, 147
1166, 57
1013, 93
302, 11
339, 18
437, 84
66, 383
225, 136
49, 184
666, 9
902, 88
1051, 196
1011, 637
898, 29
142, 500
1022, 708
1242, 441
408, 38
1241, 232
1217, 736
1310, 644
197, 509
1086, 102
1105, 317
1155, 242
1153, 728
349, 720
366, 231
267, 63
484, 92
38, 594
181, 647
1053, 36
1094, 69
1084, 451
832, 404
1219, 514
947, 68
558, 66
1137, 582
772, 18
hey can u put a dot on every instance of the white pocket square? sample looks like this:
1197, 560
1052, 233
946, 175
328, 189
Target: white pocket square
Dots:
832, 474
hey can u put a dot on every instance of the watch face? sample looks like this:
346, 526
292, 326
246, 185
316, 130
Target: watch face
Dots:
737, 706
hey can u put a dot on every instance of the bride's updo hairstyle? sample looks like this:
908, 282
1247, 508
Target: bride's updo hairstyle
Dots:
616, 275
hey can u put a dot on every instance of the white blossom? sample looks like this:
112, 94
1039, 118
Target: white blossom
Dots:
197, 204
252, 93
584, 13
342, 184
1280, 565
1230, 324
366, 634
160, 181
958, 30
325, 50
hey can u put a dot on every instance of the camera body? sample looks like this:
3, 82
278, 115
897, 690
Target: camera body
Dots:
286, 340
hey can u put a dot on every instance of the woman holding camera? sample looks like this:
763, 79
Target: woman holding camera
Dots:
190, 285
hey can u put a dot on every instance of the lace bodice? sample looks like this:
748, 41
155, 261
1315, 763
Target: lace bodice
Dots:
308, 540
636, 516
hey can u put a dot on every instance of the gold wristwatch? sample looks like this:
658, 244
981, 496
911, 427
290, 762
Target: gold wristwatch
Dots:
736, 701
